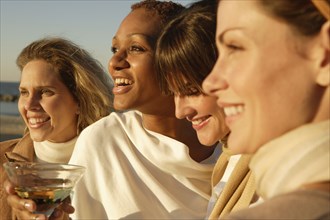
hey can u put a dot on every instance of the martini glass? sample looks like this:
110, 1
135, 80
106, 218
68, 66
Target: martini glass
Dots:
45, 183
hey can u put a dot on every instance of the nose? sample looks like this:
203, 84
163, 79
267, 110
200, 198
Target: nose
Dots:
182, 107
32, 103
215, 81
118, 61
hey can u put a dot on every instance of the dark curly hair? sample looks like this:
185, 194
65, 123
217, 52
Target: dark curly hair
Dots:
165, 9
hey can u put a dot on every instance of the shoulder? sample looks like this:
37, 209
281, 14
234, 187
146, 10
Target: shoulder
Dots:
19, 149
109, 131
115, 119
309, 204
8, 145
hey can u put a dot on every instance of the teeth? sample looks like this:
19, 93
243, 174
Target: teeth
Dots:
123, 81
34, 121
197, 122
233, 110
200, 120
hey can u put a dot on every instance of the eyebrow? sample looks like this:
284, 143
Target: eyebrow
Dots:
38, 87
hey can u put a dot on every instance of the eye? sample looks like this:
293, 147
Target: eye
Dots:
191, 91
114, 50
233, 48
23, 93
47, 92
136, 49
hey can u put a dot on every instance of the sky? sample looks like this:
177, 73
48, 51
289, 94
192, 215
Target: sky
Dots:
89, 23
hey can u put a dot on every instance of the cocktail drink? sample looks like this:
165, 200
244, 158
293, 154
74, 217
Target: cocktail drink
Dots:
46, 184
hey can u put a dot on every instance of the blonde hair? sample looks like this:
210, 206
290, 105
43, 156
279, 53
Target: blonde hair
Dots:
83, 75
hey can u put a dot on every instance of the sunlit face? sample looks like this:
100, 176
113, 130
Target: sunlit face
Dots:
204, 114
46, 105
264, 84
132, 64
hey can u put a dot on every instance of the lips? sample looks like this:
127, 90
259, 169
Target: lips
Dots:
199, 120
199, 123
36, 122
122, 85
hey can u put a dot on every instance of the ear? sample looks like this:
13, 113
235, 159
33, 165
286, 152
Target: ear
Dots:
78, 110
323, 77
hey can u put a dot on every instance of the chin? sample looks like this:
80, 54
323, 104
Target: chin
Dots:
236, 146
37, 138
207, 142
119, 107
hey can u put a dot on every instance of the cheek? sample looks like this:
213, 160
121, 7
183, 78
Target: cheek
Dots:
60, 107
20, 106
248, 77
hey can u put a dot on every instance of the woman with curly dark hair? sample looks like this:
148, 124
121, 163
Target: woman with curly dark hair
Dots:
151, 165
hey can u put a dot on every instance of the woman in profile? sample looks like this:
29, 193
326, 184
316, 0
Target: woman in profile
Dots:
63, 89
272, 79
185, 55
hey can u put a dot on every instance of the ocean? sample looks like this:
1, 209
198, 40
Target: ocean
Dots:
11, 124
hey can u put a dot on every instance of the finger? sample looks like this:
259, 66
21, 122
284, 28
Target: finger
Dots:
9, 187
21, 204
66, 207
24, 214
57, 215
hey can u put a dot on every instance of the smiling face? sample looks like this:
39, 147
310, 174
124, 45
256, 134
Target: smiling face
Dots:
262, 77
132, 64
204, 114
46, 105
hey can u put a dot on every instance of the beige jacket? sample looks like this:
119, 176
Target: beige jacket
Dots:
17, 149
239, 191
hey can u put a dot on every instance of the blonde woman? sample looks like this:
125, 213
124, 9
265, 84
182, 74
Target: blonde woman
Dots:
63, 89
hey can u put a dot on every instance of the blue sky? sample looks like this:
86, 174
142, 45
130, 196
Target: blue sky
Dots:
91, 24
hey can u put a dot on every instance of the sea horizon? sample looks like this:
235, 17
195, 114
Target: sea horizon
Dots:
11, 124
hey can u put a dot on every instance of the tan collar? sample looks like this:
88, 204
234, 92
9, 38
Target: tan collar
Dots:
23, 150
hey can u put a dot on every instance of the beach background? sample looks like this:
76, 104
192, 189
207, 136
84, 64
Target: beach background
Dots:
89, 23
11, 124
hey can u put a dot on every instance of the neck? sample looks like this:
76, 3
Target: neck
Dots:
180, 130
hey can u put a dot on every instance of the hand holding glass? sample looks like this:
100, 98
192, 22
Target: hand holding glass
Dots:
46, 184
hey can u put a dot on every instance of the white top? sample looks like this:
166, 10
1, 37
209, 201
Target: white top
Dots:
218, 188
298, 157
49, 152
136, 173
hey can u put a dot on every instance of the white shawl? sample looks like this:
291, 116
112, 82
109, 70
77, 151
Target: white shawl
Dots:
297, 158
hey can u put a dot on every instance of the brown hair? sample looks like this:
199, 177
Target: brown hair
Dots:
80, 72
302, 15
186, 50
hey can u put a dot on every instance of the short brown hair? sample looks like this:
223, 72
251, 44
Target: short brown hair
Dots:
186, 49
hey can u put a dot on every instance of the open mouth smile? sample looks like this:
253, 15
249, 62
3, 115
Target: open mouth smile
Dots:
35, 122
123, 82
233, 110
199, 123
